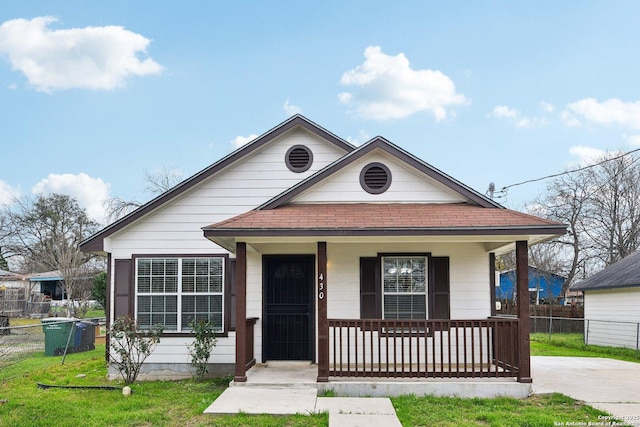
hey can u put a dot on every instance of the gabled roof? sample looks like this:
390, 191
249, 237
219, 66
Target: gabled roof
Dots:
95, 242
383, 144
369, 219
622, 274
536, 270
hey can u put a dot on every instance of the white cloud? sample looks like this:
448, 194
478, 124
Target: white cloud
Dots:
547, 107
586, 155
91, 193
569, 119
7, 193
291, 109
87, 58
362, 137
239, 141
515, 116
611, 111
387, 88
632, 139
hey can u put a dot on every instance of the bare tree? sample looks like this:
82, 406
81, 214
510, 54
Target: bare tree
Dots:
49, 229
600, 204
157, 183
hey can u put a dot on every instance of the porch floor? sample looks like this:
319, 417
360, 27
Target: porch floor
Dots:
304, 375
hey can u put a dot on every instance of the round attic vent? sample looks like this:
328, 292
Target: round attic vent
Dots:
298, 158
375, 178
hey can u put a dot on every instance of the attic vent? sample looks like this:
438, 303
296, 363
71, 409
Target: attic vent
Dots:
375, 178
298, 158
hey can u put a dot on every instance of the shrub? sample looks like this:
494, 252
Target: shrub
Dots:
131, 346
201, 348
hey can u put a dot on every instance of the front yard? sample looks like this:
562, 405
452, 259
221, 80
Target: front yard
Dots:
181, 403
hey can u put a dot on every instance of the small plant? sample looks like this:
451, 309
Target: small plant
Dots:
131, 346
202, 346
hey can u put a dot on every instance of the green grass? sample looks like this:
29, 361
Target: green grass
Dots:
538, 410
573, 345
181, 403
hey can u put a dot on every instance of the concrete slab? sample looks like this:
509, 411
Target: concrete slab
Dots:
358, 411
262, 400
610, 385
350, 420
355, 405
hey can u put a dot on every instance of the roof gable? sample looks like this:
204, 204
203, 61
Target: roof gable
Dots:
437, 178
622, 274
95, 243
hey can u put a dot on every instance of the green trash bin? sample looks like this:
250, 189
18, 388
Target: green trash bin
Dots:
56, 334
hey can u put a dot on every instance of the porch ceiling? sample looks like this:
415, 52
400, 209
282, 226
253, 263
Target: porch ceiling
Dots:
497, 228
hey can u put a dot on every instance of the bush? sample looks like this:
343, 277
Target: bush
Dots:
201, 348
131, 346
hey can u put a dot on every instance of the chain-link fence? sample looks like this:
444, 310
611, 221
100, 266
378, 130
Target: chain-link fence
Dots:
595, 332
53, 337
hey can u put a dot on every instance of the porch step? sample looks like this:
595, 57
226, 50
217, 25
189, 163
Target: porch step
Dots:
277, 375
285, 364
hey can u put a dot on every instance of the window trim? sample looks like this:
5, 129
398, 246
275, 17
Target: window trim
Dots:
226, 289
426, 293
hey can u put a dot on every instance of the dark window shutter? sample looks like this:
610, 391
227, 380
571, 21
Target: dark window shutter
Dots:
123, 304
439, 289
370, 289
230, 299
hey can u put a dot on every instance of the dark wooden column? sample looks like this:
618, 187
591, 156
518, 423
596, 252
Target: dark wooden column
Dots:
241, 312
522, 280
323, 322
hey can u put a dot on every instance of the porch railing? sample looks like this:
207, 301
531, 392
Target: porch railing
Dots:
250, 359
423, 348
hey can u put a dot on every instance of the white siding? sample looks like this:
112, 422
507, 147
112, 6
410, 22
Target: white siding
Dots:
469, 276
612, 317
176, 228
407, 186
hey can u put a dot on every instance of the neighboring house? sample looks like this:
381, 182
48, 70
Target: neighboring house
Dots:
299, 246
9, 280
49, 283
544, 287
612, 304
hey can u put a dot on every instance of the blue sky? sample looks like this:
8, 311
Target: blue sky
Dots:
92, 94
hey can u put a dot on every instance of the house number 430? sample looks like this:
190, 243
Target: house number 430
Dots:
321, 286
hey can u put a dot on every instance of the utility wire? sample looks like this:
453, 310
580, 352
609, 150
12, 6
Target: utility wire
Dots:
504, 189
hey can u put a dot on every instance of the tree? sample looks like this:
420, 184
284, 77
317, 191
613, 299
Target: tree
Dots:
156, 183
600, 204
99, 290
49, 229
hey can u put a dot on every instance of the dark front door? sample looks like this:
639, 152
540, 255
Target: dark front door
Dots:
288, 307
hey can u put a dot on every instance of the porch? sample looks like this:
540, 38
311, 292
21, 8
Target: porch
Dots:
302, 376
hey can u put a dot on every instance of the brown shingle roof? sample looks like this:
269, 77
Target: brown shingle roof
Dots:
392, 216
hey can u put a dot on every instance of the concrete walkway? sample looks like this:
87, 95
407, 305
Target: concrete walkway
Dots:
286, 388
606, 384
343, 411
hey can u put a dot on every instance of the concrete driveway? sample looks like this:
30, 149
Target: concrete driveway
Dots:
610, 385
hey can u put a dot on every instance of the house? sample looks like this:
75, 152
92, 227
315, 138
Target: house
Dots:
49, 283
544, 287
366, 261
612, 304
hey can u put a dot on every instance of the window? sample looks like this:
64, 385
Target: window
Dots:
174, 291
404, 287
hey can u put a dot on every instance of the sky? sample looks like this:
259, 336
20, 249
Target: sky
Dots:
93, 94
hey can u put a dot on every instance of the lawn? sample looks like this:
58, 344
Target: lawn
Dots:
573, 345
172, 403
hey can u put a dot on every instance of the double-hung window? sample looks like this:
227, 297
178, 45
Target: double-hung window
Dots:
404, 287
175, 291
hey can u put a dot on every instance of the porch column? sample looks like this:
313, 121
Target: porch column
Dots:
522, 280
492, 282
241, 312
323, 322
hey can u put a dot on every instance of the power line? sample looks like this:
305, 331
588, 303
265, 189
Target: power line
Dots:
503, 190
